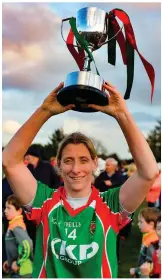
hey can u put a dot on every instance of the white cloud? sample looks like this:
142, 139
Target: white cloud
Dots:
10, 126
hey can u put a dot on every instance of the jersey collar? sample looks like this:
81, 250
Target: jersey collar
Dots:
94, 195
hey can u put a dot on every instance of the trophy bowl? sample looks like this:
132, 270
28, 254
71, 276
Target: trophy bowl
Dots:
90, 24
84, 87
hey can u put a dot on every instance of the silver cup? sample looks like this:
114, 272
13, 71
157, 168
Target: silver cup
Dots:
84, 87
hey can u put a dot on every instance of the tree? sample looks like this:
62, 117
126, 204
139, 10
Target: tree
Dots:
154, 141
51, 148
100, 149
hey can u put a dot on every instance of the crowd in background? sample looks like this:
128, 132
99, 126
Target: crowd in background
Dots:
110, 174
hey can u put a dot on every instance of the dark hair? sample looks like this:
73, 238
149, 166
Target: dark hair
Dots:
150, 214
33, 151
77, 138
12, 199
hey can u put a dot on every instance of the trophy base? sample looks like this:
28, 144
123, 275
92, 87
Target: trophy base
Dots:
81, 96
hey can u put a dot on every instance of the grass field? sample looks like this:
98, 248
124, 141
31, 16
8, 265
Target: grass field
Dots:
129, 249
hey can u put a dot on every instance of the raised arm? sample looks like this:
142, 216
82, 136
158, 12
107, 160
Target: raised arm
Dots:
20, 179
135, 189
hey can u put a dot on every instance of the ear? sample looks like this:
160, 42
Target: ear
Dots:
152, 224
20, 211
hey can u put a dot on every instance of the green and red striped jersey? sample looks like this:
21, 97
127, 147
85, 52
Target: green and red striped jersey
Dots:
78, 243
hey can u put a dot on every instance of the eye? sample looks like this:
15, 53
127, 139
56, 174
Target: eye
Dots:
68, 161
84, 160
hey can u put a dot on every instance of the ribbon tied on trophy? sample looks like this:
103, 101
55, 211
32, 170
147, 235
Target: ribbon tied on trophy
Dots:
92, 28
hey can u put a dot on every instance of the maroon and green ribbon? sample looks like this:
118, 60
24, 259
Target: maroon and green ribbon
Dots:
78, 56
127, 49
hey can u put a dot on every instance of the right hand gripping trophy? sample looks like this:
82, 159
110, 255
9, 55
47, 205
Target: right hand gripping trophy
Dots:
91, 28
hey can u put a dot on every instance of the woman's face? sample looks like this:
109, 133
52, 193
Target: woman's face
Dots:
76, 167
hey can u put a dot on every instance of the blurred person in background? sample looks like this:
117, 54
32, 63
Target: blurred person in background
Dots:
6, 192
152, 268
131, 168
19, 247
124, 167
112, 177
147, 222
42, 170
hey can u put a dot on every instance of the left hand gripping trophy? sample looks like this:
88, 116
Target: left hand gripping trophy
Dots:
91, 28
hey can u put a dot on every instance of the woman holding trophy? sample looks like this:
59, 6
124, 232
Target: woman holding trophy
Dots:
76, 225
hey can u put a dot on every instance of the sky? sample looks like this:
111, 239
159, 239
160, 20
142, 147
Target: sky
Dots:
35, 59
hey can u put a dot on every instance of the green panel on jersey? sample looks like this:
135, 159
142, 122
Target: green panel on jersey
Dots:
43, 193
111, 197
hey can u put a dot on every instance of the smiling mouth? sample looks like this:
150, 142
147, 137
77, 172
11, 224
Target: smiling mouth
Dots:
77, 178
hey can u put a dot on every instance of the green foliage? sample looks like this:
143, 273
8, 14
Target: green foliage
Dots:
154, 141
51, 148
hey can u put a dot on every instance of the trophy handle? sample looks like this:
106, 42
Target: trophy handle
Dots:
65, 19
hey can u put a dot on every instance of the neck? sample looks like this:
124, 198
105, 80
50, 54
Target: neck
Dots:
111, 173
150, 231
17, 217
